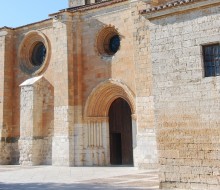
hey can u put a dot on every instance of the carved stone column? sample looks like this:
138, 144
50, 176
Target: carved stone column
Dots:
96, 141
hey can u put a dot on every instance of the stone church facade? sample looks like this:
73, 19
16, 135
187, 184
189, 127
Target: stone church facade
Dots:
117, 82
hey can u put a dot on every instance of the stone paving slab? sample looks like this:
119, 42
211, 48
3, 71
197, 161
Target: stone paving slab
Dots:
74, 178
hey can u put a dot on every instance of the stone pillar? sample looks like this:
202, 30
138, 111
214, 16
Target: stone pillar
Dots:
31, 106
145, 153
106, 140
6, 96
63, 140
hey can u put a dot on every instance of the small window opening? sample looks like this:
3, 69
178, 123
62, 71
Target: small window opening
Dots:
114, 44
211, 57
38, 54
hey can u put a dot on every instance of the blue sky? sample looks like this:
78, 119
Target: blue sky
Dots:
14, 13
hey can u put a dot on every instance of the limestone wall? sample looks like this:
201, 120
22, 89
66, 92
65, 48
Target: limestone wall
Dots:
6, 94
36, 123
92, 69
55, 106
98, 68
20, 76
9, 152
63, 140
58, 129
186, 102
146, 147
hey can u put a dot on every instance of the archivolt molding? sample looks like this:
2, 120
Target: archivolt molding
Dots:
101, 98
102, 39
25, 49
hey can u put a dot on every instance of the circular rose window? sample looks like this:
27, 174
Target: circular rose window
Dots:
34, 53
108, 41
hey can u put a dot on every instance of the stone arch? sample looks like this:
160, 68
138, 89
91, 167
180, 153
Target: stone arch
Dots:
101, 98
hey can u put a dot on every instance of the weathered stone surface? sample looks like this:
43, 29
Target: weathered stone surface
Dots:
35, 137
59, 114
186, 102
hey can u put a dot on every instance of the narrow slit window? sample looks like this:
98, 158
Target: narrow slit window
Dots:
211, 57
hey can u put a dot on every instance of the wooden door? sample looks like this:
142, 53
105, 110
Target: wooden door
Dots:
116, 151
120, 129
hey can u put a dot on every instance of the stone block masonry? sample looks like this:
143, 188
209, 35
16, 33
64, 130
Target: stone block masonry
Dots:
57, 112
35, 141
6, 91
186, 102
48, 116
146, 145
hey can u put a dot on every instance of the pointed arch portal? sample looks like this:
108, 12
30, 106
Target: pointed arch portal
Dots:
110, 124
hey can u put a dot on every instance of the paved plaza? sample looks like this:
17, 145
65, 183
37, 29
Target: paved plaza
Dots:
67, 178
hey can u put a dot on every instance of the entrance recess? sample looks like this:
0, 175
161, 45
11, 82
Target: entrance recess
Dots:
120, 129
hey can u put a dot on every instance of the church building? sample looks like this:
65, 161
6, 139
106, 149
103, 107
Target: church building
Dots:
116, 82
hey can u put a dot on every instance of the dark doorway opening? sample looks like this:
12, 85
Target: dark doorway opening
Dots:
120, 129
116, 151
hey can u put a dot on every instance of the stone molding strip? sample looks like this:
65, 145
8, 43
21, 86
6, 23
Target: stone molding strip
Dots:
175, 7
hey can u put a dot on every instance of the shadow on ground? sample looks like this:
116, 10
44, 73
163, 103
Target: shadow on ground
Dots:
55, 186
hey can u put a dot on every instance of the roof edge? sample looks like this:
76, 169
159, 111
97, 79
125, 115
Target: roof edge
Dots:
38, 22
176, 7
6, 28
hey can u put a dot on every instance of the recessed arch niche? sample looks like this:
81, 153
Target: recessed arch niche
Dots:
101, 98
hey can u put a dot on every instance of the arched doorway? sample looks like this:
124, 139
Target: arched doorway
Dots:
120, 133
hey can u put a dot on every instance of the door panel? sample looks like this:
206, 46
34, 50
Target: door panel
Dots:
116, 155
120, 123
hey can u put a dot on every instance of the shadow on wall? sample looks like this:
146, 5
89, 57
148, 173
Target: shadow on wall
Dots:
57, 186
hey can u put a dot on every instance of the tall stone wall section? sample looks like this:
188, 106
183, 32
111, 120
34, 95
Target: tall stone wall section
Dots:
186, 102
8, 142
146, 147
99, 69
20, 76
4, 154
63, 140
75, 47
